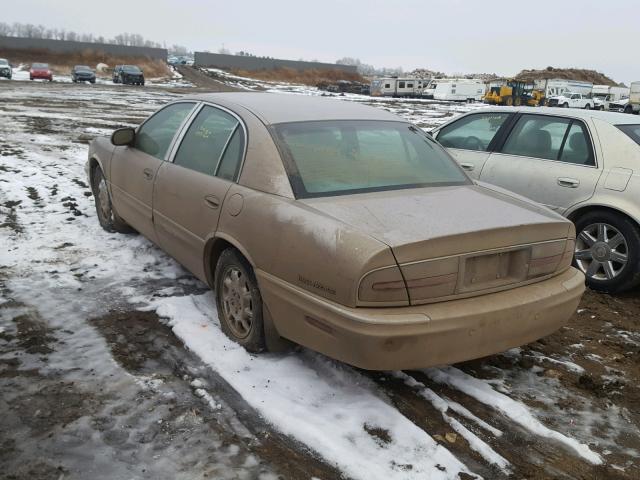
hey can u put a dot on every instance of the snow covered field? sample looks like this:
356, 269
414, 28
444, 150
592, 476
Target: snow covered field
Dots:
113, 365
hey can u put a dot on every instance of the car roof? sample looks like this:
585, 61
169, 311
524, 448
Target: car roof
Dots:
610, 117
274, 108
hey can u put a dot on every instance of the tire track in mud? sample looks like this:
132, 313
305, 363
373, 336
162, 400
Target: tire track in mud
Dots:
530, 456
144, 346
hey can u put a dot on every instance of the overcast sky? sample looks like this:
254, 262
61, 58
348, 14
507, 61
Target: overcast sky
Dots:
454, 36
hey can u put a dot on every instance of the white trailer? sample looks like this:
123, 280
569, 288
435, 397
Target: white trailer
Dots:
459, 90
558, 86
634, 98
398, 87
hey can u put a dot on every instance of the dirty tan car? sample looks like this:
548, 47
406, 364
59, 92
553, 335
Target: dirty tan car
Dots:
339, 227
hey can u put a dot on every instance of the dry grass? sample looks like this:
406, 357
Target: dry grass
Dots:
307, 77
581, 74
62, 63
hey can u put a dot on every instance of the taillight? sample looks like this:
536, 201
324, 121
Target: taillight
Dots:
550, 257
383, 286
431, 279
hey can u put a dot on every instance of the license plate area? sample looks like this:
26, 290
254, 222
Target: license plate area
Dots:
491, 270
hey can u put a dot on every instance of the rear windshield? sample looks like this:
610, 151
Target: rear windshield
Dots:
354, 156
633, 131
131, 69
40, 65
3, 62
83, 68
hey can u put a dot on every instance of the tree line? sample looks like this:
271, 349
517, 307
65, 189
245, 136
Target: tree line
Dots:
29, 30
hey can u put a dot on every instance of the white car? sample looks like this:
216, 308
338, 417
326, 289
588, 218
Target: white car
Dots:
571, 100
583, 164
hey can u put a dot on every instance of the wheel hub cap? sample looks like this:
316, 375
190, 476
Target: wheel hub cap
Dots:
601, 251
237, 302
103, 197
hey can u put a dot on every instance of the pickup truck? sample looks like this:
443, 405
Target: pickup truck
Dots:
570, 100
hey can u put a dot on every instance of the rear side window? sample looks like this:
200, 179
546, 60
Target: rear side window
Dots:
156, 134
206, 140
550, 138
232, 158
473, 132
633, 131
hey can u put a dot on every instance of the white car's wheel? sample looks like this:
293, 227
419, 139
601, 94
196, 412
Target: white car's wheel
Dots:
608, 251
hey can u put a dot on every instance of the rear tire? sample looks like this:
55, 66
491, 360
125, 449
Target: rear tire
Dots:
587, 107
108, 218
239, 302
608, 251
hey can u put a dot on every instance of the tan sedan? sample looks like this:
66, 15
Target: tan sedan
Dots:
339, 227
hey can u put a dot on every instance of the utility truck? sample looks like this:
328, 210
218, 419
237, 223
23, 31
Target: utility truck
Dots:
604, 95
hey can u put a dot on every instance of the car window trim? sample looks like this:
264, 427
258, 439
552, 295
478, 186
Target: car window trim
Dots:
185, 129
518, 115
175, 135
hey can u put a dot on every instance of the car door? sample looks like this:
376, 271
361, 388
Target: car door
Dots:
549, 159
133, 168
470, 138
190, 190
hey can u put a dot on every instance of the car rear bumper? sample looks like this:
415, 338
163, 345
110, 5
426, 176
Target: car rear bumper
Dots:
426, 335
41, 76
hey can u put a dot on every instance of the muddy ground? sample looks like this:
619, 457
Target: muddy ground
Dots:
92, 387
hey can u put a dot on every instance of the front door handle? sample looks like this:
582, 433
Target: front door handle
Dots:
212, 201
148, 173
468, 166
568, 182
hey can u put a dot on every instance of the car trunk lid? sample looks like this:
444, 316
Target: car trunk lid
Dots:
457, 240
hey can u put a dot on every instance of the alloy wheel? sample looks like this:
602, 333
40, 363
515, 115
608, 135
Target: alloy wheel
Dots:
601, 251
237, 302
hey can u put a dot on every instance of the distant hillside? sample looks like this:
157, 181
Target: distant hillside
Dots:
584, 75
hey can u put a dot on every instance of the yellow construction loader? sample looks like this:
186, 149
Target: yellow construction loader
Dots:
514, 93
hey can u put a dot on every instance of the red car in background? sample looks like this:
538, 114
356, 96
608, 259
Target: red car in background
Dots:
40, 71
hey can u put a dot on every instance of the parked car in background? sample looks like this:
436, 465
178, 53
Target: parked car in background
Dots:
583, 165
40, 71
308, 215
115, 77
570, 100
5, 68
82, 73
130, 75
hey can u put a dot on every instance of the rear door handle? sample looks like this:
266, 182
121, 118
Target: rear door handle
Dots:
148, 173
468, 166
568, 182
212, 201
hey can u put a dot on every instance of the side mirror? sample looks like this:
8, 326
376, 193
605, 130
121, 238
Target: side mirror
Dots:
123, 136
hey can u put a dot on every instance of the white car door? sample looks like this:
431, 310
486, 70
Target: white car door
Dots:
548, 159
469, 138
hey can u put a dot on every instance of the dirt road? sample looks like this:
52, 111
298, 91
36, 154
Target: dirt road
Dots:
112, 364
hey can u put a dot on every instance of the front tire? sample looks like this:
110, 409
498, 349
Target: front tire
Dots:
608, 251
108, 218
565, 105
239, 302
628, 109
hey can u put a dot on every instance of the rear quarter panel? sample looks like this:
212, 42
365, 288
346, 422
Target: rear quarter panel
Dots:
303, 247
